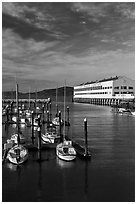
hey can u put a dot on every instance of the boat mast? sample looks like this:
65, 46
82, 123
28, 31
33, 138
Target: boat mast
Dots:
36, 97
29, 97
17, 106
57, 101
64, 106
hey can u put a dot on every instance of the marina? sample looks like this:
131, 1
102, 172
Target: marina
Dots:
110, 169
68, 101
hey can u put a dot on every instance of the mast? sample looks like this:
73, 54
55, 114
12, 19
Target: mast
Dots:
17, 106
64, 106
36, 98
57, 101
29, 97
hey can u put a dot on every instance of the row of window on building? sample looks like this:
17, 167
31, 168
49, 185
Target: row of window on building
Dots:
123, 87
93, 93
124, 92
100, 87
93, 88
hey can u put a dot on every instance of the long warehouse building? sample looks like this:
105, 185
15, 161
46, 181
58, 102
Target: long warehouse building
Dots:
106, 91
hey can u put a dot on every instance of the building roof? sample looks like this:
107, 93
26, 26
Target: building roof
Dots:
102, 80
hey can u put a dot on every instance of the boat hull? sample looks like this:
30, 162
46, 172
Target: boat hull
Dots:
17, 154
66, 151
66, 157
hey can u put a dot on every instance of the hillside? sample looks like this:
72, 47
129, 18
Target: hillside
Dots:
44, 94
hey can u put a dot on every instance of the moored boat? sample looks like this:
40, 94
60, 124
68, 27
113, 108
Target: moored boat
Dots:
123, 111
15, 136
66, 151
50, 138
56, 122
17, 154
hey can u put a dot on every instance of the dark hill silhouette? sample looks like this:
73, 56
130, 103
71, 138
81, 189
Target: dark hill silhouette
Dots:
44, 94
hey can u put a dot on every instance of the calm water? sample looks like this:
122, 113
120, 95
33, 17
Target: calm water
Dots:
108, 176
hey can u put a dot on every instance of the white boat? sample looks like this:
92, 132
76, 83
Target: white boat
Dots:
3, 111
50, 138
123, 110
66, 151
133, 113
14, 119
35, 123
14, 138
28, 113
55, 121
17, 154
22, 120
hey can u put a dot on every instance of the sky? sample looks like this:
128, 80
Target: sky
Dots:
45, 44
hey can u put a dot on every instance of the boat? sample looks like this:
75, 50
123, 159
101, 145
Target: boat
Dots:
123, 110
50, 138
14, 138
65, 150
28, 113
27, 122
4, 111
56, 122
17, 154
133, 113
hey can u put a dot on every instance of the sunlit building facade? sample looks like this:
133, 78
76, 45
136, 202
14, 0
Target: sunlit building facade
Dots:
105, 91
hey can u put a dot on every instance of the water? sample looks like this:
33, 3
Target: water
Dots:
108, 177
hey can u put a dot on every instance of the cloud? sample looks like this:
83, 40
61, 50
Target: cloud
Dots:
46, 43
98, 10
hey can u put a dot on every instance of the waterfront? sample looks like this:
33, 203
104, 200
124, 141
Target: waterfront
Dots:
108, 177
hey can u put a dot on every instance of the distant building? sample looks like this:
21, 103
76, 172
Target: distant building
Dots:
107, 91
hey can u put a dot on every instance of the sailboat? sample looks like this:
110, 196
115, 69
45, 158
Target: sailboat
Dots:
18, 154
51, 138
65, 150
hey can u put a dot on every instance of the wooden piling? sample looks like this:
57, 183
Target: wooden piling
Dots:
47, 119
32, 128
50, 112
56, 110
39, 133
85, 132
68, 114
43, 108
60, 123
47, 106
7, 114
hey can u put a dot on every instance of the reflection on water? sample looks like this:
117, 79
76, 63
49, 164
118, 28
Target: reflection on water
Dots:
108, 176
63, 164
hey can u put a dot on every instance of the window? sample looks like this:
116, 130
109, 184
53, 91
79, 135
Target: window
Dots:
123, 92
117, 87
116, 92
123, 87
130, 87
